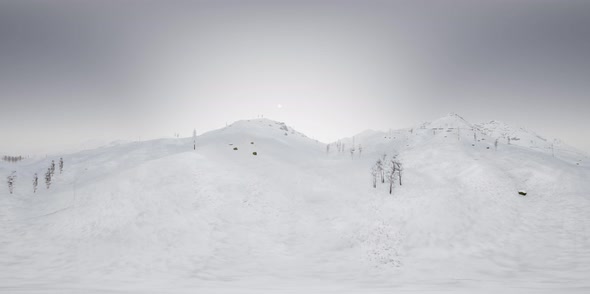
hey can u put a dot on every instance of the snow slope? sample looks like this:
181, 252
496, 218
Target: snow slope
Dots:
159, 217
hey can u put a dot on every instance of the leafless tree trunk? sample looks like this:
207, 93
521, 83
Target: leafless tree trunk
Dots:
52, 167
194, 139
35, 183
11, 180
48, 178
391, 174
382, 168
400, 168
374, 172
379, 168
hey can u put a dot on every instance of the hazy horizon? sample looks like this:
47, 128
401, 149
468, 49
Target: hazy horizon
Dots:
72, 72
91, 143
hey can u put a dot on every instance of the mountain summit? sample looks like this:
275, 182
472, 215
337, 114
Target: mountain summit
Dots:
452, 120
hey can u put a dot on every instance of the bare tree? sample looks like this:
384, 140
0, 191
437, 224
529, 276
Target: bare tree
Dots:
360, 150
35, 182
395, 168
48, 178
374, 172
496, 144
399, 168
61, 165
52, 167
380, 171
194, 139
11, 179
391, 174
384, 162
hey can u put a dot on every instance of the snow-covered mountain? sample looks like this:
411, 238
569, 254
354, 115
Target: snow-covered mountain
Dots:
454, 126
260, 207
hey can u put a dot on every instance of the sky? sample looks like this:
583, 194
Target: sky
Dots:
77, 72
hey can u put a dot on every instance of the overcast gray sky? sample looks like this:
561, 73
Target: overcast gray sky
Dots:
71, 71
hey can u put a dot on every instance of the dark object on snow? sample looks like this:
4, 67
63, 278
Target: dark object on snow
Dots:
472, 144
254, 153
235, 148
487, 147
252, 143
523, 193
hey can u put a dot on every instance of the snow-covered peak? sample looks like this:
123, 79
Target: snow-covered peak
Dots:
260, 127
524, 137
517, 135
451, 120
498, 129
263, 136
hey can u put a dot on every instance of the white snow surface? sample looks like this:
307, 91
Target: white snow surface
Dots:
160, 217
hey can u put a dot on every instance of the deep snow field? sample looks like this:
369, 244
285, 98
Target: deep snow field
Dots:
159, 217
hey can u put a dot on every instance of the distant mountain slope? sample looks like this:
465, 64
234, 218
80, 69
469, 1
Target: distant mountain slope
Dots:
454, 126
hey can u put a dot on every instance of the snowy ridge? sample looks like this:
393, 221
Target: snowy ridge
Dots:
455, 126
528, 139
452, 120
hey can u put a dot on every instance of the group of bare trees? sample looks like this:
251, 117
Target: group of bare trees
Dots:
340, 148
388, 170
353, 150
12, 158
49, 174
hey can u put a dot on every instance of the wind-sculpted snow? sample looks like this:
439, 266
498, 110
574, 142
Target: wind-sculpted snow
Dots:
159, 217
